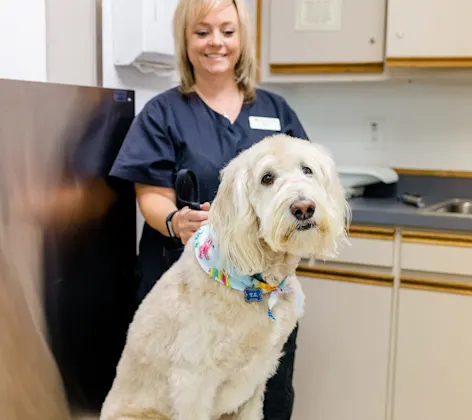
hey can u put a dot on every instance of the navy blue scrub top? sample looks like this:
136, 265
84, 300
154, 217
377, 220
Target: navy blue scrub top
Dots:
175, 131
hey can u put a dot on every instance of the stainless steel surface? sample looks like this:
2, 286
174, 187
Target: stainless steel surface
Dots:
454, 206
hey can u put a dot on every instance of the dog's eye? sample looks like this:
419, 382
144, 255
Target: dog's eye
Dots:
268, 179
307, 171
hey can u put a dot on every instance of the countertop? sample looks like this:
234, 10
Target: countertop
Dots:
391, 212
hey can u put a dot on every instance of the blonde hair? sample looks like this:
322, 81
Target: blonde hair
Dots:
190, 11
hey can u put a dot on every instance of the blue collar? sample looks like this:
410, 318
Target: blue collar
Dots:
253, 287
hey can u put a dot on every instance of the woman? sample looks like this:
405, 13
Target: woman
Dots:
201, 125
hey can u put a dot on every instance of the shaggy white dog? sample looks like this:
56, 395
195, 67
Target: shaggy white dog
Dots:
210, 333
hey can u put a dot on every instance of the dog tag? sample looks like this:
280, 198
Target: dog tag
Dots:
251, 294
264, 123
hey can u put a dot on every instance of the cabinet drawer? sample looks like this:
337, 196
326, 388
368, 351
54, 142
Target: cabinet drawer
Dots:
368, 246
437, 253
367, 252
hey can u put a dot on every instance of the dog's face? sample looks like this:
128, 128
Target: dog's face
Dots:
284, 193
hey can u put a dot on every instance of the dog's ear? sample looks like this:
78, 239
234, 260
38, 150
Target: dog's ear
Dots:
235, 223
338, 197
341, 211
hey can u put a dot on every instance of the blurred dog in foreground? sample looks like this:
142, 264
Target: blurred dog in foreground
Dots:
30, 387
33, 197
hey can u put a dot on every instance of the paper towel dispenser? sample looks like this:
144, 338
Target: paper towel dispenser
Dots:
142, 34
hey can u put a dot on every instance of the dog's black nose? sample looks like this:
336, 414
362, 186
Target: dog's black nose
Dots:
303, 209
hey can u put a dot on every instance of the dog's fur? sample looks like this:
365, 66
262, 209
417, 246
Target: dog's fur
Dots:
196, 349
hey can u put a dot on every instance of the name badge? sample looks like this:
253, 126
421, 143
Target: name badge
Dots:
264, 123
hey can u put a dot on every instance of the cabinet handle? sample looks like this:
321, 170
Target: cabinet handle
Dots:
433, 238
346, 276
371, 232
441, 286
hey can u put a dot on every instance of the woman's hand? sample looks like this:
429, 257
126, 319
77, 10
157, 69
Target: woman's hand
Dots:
186, 221
156, 203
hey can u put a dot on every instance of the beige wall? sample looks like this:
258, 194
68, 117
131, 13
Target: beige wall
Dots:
71, 42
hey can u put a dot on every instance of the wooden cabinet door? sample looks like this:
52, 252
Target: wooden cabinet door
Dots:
326, 32
429, 29
341, 364
433, 374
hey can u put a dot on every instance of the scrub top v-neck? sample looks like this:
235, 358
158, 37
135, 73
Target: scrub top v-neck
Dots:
175, 131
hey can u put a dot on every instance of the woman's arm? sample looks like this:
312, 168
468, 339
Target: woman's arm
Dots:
156, 203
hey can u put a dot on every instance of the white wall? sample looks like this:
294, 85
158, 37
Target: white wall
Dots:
424, 126
48, 41
23, 40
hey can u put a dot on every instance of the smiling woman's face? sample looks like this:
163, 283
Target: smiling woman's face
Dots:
214, 43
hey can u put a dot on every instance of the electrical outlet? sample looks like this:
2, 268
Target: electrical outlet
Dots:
375, 133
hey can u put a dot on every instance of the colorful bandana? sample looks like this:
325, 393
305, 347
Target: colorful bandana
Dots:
253, 287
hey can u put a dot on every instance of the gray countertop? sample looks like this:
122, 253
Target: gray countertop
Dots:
389, 211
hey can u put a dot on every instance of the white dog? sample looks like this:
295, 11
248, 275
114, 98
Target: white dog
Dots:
210, 333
